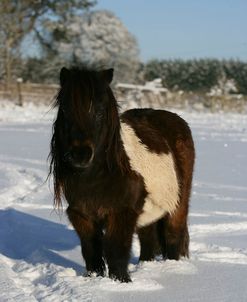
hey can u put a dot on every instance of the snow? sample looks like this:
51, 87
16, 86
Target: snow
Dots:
40, 253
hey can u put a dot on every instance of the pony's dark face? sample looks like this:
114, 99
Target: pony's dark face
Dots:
81, 125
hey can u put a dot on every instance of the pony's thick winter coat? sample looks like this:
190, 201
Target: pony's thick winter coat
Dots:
120, 174
159, 175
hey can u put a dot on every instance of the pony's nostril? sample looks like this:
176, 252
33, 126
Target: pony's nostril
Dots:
88, 153
92, 155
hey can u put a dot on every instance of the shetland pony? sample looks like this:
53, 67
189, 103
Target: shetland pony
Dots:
120, 174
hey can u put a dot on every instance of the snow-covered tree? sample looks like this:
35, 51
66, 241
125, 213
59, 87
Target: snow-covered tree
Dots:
97, 38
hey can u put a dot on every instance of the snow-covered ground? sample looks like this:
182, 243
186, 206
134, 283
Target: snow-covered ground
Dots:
40, 254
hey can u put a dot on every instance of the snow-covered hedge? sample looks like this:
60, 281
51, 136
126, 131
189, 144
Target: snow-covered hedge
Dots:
197, 75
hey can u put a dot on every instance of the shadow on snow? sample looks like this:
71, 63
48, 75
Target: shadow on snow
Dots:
33, 239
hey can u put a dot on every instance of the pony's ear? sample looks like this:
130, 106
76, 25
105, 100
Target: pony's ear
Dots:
64, 73
108, 75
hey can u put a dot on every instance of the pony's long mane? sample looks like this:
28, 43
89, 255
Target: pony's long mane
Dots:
56, 169
114, 154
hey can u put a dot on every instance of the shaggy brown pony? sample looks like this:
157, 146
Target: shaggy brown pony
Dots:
120, 174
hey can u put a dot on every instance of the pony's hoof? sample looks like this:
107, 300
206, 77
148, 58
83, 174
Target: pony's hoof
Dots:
123, 278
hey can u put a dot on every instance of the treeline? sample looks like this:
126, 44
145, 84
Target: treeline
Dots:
198, 74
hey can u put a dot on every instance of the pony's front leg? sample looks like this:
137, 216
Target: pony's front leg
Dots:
117, 243
90, 235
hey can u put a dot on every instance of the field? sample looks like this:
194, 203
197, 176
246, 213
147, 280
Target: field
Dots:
40, 254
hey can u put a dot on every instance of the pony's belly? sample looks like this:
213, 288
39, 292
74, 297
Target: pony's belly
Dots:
150, 213
159, 175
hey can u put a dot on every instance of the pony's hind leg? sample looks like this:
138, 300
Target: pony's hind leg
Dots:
148, 242
90, 235
173, 237
172, 229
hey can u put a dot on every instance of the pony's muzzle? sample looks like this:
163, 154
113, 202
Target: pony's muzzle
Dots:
80, 156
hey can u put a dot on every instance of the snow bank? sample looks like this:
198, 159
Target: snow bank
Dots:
40, 254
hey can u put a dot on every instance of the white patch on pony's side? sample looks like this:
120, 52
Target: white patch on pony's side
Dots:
158, 172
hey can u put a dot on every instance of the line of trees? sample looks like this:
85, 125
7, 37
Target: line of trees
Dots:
198, 75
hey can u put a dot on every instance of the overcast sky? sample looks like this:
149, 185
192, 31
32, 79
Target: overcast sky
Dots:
185, 28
